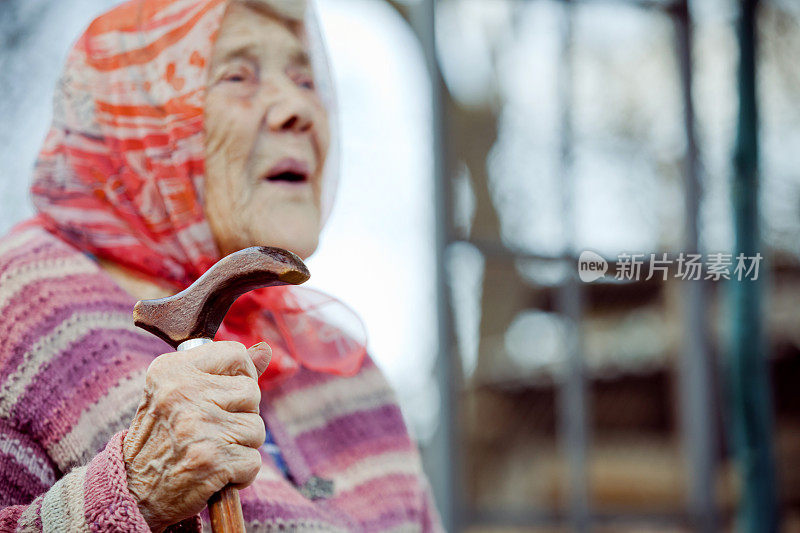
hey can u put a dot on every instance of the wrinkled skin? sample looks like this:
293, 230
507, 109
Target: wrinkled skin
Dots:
197, 429
262, 108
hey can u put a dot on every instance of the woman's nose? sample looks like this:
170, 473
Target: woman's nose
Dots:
291, 114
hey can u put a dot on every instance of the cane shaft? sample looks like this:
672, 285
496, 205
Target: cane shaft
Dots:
225, 510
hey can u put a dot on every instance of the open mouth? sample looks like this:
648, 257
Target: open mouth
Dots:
291, 177
288, 171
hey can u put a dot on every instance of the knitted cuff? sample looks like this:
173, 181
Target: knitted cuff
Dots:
108, 504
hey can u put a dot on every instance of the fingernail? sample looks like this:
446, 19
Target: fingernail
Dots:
265, 356
264, 347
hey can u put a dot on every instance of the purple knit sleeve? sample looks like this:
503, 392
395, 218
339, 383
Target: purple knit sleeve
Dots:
92, 498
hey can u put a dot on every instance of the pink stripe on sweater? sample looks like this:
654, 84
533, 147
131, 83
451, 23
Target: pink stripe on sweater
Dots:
10, 517
278, 490
378, 501
358, 451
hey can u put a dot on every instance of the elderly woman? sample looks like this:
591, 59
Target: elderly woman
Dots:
185, 130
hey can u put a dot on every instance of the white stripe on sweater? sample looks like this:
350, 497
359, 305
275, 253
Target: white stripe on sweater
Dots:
62, 508
27, 520
16, 240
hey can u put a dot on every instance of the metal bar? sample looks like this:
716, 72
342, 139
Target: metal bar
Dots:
443, 454
749, 383
695, 384
573, 419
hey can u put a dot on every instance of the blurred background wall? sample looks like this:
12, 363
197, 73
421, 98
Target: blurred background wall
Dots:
489, 142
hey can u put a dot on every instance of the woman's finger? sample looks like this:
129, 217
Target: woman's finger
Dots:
244, 429
260, 354
244, 464
235, 394
223, 358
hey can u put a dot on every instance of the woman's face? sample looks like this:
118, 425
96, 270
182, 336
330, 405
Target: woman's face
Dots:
266, 135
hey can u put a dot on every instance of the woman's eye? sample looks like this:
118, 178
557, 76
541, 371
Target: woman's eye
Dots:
305, 83
236, 77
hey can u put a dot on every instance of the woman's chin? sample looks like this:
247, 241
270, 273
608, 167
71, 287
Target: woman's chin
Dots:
303, 250
301, 243
291, 227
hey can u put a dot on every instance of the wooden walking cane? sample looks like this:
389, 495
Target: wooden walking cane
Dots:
192, 317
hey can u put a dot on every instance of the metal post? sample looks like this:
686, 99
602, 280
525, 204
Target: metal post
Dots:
695, 365
573, 419
749, 383
443, 455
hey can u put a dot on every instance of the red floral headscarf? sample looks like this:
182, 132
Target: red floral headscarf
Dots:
121, 173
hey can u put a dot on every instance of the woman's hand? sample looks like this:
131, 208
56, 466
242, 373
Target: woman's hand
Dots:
197, 429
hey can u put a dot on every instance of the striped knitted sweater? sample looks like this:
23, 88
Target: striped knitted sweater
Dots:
72, 369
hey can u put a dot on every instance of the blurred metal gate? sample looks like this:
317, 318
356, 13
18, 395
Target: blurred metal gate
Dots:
444, 456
